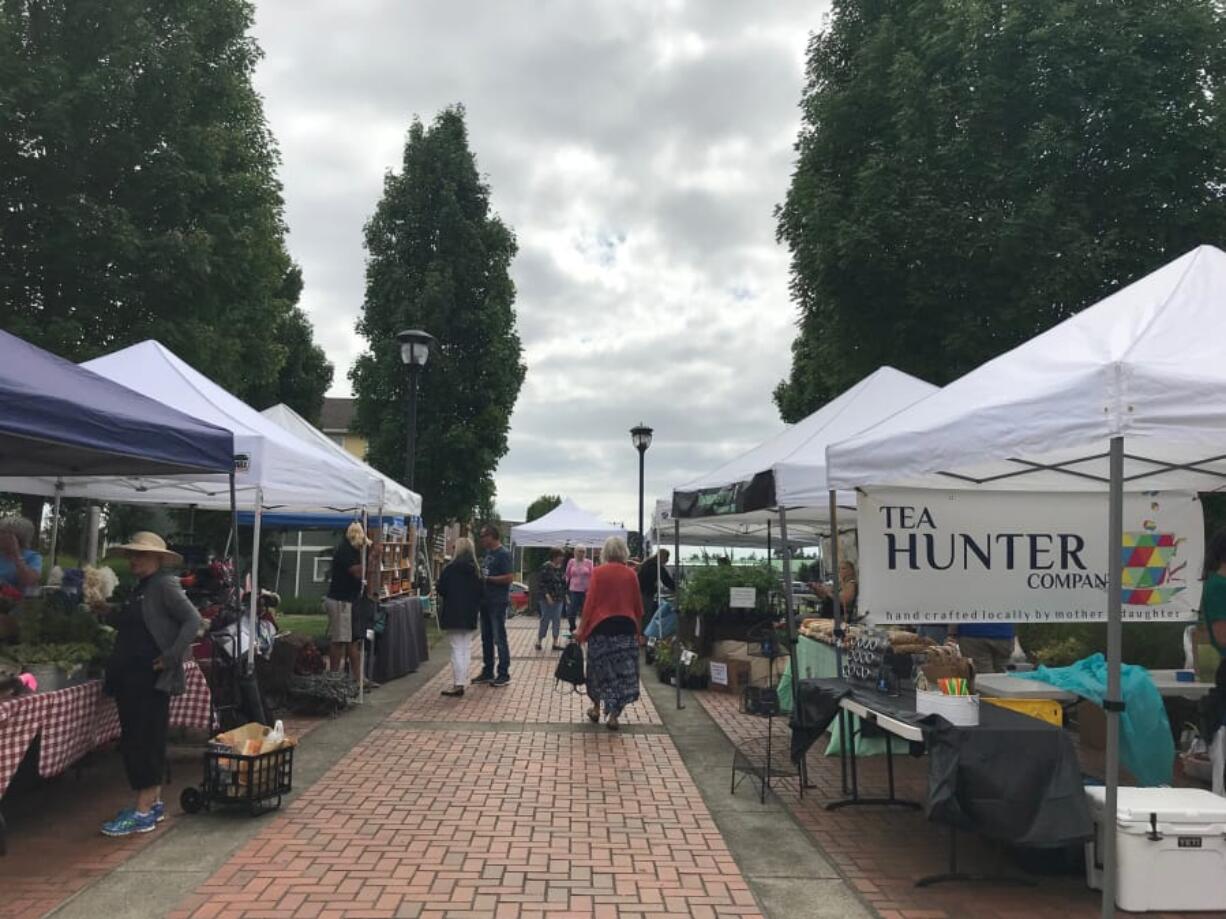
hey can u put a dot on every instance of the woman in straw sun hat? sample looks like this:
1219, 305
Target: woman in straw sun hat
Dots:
156, 628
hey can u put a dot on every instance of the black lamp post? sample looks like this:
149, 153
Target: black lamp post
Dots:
640, 436
414, 351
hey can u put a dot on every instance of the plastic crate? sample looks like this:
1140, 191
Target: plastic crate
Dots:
1043, 709
244, 781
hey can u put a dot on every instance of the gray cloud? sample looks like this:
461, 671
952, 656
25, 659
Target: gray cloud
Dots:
638, 149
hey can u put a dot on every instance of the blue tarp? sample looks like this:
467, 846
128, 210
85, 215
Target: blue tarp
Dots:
1147, 749
664, 623
57, 418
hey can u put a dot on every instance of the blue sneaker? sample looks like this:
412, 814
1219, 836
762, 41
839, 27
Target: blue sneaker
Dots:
158, 811
129, 822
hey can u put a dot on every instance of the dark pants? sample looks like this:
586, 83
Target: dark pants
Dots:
574, 607
144, 719
494, 634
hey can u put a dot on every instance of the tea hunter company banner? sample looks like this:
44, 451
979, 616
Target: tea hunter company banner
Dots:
929, 556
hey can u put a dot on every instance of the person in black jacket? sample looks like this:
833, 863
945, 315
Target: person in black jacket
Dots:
460, 591
647, 582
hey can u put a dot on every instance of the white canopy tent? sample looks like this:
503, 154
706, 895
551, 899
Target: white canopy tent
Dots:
273, 468
386, 493
756, 530
566, 525
1124, 395
789, 469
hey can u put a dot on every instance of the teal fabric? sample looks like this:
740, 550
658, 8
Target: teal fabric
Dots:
1147, 749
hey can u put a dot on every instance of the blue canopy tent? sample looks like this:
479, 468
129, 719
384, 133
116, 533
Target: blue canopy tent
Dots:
57, 418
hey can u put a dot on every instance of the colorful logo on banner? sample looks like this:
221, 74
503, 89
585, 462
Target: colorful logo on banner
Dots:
1149, 579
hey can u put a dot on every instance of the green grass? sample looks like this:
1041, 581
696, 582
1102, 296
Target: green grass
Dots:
315, 625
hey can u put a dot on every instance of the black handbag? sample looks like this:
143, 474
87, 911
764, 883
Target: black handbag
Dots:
570, 666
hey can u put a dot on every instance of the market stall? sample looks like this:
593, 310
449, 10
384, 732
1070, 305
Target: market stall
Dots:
1119, 400
273, 469
400, 643
61, 421
783, 479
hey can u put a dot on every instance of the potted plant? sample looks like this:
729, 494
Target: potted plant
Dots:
705, 611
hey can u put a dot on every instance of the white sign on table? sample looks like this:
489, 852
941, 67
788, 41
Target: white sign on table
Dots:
931, 556
719, 673
742, 597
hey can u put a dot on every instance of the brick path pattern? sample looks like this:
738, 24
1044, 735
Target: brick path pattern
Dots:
474, 823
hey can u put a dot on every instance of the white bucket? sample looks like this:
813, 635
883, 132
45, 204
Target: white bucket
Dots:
959, 710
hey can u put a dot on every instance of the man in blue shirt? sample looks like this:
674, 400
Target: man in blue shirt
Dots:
497, 574
989, 645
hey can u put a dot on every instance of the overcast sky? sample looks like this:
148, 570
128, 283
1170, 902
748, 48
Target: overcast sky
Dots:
637, 148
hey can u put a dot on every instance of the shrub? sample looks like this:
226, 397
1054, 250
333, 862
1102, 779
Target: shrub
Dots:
706, 590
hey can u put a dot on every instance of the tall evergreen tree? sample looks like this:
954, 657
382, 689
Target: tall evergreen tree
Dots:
138, 194
438, 260
971, 173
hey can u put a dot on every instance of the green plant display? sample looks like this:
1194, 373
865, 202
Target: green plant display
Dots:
66, 656
706, 590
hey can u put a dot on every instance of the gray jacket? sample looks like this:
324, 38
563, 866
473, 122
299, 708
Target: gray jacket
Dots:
174, 623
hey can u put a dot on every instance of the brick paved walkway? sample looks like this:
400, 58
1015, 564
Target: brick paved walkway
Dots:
883, 851
467, 819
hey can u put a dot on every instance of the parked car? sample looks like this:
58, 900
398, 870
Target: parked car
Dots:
519, 597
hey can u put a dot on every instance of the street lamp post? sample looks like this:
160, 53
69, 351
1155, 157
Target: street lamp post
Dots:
414, 351
640, 436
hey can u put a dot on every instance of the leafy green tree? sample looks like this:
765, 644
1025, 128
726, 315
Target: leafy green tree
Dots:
306, 374
535, 558
971, 173
438, 260
138, 191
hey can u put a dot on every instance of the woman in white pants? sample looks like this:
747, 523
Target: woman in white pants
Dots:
459, 591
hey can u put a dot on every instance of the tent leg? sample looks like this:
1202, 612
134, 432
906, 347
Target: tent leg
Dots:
790, 605
55, 523
1113, 702
837, 603
835, 599
255, 578
677, 595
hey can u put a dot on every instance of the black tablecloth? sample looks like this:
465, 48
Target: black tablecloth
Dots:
403, 646
1011, 777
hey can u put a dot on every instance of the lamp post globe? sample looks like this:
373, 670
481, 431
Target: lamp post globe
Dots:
640, 436
415, 348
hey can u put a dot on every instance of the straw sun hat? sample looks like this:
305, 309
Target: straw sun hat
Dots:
146, 542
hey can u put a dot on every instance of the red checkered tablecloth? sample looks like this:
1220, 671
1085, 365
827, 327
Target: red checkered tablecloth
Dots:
76, 720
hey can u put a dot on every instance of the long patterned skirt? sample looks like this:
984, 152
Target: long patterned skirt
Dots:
613, 671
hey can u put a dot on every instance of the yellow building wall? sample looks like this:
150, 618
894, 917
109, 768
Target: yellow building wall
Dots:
356, 445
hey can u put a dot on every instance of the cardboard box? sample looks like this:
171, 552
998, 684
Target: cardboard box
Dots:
729, 675
1091, 726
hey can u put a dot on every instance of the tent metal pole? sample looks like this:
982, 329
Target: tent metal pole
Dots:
1113, 703
835, 598
233, 547
363, 597
255, 577
677, 595
55, 523
790, 605
769, 555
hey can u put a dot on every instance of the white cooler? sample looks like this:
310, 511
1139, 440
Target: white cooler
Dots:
1171, 845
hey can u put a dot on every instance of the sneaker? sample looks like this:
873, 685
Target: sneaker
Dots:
158, 811
538, 646
484, 678
454, 692
130, 822
504, 680
557, 647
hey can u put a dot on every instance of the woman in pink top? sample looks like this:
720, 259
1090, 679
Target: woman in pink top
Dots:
578, 576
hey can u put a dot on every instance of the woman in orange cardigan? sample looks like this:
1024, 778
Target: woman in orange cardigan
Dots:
612, 629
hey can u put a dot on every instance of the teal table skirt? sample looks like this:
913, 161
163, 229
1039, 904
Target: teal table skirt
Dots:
816, 660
